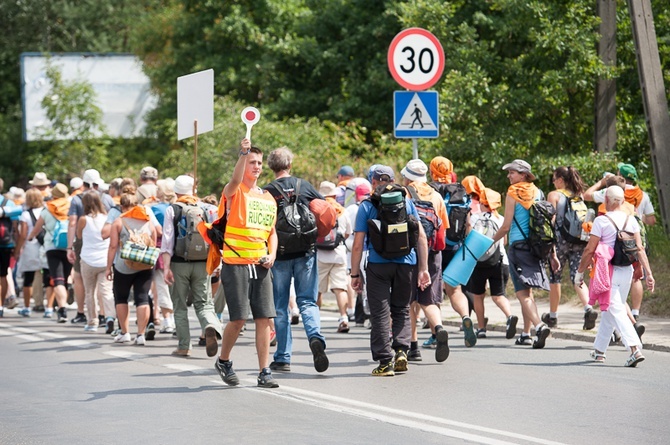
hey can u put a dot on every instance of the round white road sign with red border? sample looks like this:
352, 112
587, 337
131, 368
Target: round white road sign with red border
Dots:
416, 59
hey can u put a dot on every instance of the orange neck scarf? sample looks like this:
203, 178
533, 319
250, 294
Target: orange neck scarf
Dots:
524, 193
633, 195
188, 200
137, 212
59, 207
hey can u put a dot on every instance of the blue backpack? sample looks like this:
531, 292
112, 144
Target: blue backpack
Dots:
60, 234
457, 201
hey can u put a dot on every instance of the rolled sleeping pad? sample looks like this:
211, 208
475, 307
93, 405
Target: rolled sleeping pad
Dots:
461, 266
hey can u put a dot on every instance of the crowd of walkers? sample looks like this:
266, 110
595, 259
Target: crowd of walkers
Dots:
269, 253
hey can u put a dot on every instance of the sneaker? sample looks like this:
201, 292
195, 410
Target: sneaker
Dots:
48, 313
202, 341
11, 302
400, 361
139, 340
109, 322
442, 345
280, 366
167, 330
414, 355
343, 328
151, 332
116, 332
122, 338
38, 308
101, 320
639, 328
24, 312
319, 354
295, 318
79, 318
211, 341
431, 343
425, 324
524, 340
62, 315
91, 328
549, 320
469, 332
265, 379
273, 337
226, 372
590, 317
2, 312
181, 353
481, 333
510, 332
384, 369
542, 334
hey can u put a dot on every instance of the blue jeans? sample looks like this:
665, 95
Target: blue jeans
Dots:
305, 280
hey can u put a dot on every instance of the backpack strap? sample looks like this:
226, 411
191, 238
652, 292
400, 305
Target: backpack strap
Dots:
625, 223
413, 193
281, 191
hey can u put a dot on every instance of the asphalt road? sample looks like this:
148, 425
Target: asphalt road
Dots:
61, 385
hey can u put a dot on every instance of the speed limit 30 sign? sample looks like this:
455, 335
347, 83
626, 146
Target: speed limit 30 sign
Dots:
416, 59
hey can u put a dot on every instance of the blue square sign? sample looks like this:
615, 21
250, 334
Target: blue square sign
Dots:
415, 114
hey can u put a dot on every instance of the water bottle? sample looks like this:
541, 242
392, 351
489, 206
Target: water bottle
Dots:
590, 216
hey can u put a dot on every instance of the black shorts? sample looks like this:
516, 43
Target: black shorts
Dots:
248, 287
495, 276
433, 293
140, 282
5, 258
59, 266
29, 277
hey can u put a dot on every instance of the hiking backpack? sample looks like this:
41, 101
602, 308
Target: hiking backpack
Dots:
394, 233
330, 241
541, 236
573, 213
60, 234
6, 227
457, 201
429, 220
488, 227
625, 246
189, 243
296, 224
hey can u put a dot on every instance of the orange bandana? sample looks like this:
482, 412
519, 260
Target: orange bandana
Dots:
474, 185
59, 207
524, 193
441, 169
137, 212
633, 195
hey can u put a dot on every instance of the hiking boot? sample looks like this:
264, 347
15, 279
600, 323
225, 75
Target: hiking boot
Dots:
481, 333
384, 370
211, 341
319, 354
280, 366
542, 334
414, 355
151, 332
400, 361
442, 345
79, 318
639, 328
226, 372
431, 343
265, 379
590, 317
469, 332
549, 320
510, 331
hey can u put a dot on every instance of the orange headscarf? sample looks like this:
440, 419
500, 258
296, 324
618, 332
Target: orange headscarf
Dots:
491, 199
474, 185
633, 195
137, 212
524, 193
441, 169
59, 207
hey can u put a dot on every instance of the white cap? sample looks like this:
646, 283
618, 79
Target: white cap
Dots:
76, 183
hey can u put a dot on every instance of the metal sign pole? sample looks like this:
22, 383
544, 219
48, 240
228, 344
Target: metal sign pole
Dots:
415, 148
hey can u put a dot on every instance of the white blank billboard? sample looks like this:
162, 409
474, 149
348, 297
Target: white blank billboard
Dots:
122, 90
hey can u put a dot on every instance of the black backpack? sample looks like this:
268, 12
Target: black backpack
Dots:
394, 233
296, 224
40, 236
457, 201
6, 228
541, 234
625, 246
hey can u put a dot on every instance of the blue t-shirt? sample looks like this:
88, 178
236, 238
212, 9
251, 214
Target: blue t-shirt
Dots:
368, 211
522, 217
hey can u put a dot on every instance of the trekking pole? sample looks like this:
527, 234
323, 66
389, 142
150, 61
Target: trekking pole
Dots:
195, 155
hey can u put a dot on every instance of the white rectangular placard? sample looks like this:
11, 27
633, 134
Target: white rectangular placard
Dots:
195, 102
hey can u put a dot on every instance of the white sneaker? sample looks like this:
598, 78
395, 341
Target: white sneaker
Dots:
139, 340
90, 328
122, 338
11, 302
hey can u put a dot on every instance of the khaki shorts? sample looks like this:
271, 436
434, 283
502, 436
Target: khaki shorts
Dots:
332, 276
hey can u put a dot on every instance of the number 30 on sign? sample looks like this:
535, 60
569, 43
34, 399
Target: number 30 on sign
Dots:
416, 59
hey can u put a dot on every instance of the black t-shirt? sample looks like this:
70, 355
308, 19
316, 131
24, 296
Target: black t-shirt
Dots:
288, 185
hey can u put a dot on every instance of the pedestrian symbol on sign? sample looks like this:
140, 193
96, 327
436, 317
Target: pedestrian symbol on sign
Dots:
415, 114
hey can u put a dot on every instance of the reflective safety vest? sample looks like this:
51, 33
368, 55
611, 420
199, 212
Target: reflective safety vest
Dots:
251, 217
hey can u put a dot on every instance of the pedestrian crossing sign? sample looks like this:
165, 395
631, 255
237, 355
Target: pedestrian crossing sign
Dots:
415, 114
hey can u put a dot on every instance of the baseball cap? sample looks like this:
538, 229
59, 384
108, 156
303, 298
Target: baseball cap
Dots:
149, 172
91, 176
346, 170
415, 170
627, 171
363, 190
76, 183
521, 166
383, 173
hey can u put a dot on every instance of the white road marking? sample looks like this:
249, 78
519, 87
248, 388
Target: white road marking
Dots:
187, 368
28, 337
128, 355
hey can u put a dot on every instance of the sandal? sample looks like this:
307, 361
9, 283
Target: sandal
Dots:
524, 340
635, 358
598, 357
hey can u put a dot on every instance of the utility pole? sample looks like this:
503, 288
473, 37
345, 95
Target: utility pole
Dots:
654, 99
605, 103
